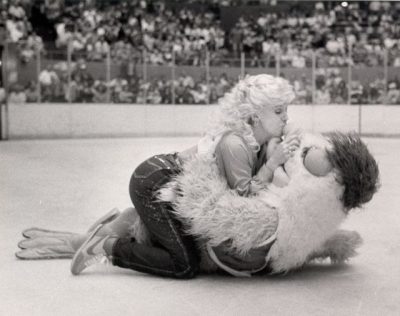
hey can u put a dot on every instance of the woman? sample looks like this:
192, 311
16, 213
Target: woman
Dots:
252, 114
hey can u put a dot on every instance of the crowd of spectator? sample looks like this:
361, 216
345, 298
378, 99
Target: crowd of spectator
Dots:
151, 31
14, 17
127, 29
57, 84
333, 34
124, 30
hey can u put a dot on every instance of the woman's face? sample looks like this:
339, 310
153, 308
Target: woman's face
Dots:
272, 120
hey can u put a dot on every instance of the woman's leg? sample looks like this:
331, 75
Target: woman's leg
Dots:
120, 226
172, 252
50, 244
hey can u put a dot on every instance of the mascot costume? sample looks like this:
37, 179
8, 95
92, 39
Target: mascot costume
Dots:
299, 219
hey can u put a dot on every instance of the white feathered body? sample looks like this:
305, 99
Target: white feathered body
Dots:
309, 214
300, 216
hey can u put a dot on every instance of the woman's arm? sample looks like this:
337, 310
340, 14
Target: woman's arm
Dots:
281, 178
236, 162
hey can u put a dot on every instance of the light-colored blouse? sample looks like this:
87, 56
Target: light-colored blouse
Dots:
239, 164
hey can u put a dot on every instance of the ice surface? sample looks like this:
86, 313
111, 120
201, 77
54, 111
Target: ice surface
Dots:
67, 184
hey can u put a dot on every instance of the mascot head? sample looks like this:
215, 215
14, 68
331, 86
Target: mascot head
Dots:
328, 176
343, 154
356, 168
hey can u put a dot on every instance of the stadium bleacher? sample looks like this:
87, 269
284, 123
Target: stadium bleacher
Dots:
191, 52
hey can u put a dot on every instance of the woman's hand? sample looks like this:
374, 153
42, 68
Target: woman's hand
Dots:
279, 153
280, 178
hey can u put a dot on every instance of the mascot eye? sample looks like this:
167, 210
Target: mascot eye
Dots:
316, 161
304, 152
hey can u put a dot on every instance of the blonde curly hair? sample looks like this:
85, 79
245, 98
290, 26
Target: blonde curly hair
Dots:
247, 98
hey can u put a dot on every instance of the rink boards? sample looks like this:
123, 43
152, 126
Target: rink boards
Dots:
50, 120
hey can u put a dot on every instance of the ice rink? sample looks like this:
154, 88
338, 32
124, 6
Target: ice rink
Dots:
67, 184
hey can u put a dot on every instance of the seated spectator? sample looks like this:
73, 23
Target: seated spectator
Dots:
46, 78
29, 48
298, 61
269, 49
121, 51
86, 92
153, 95
376, 91
16, 11
336, 60
184, 96
72, 91
164, 87
322, 96
78, 41
339, 92
393, 94
222, 86
80, 73
99, 49
26, 52
16, 29
199, 95
124, 95
99, 91
360, 54
64, 34
141, 97
53, 9
187, 81
116, 87
356, 92
335, 44
31, 92
337, 86
17, 95
394, 55
302, 90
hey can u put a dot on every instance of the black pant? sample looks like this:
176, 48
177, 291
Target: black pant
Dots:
172, 253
